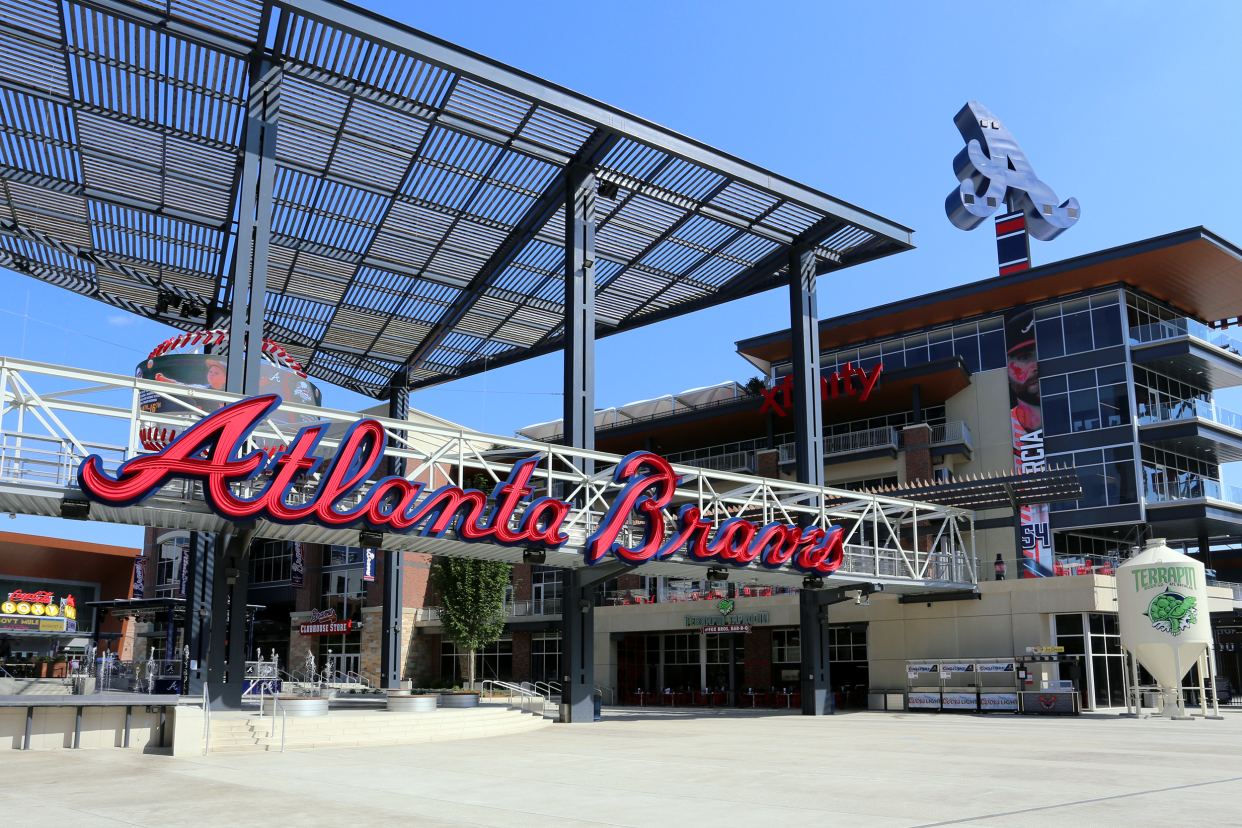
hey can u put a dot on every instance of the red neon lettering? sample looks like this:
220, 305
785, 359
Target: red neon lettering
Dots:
769, 401
220, 435
32, 597
634, 498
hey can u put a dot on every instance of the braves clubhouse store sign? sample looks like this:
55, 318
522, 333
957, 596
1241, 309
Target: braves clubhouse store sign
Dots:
210, 452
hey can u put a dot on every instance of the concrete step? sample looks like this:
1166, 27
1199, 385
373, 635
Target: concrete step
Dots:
359, 729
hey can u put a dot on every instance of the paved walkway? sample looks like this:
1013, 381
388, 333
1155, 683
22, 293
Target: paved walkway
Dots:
681, 769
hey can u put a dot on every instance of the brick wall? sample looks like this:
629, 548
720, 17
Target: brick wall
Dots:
416, 591
918, 452
521, 582
758, 650
521, 656
767, 463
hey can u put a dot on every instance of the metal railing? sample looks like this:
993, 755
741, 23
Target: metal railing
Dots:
1173, 328
739, 461
1189, 409
1085, 565
511, 690
1235, 588
1190, 487
83, 411
206, 721
513, 609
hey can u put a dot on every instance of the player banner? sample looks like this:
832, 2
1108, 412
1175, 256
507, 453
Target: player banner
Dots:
1026, 417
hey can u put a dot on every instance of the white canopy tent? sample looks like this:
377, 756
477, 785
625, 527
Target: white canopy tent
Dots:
643, 409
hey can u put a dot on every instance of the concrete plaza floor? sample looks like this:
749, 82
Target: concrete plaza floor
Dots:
701, 769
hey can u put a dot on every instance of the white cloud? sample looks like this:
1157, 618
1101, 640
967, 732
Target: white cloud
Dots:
121, 320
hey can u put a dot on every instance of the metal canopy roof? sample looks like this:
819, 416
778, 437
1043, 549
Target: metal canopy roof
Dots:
996, 490
417, 214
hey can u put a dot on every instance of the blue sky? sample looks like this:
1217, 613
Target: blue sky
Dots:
1133, 108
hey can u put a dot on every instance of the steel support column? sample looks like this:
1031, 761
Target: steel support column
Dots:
577, 617
580, 309
201, 576
249, 279
578, 647
816, 679
808, 415
391, 653
227, 659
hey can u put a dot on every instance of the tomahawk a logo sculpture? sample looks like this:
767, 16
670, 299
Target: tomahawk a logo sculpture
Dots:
993, 168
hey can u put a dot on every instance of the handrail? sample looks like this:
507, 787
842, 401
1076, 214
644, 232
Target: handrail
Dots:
284, 722
206, 721
611, 695
513, 689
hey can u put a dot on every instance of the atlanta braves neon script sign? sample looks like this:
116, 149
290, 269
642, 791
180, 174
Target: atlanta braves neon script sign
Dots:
210, 452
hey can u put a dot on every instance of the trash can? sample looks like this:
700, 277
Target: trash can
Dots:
599, 708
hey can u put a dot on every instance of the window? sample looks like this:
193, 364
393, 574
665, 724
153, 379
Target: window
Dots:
871, 484
847, 643
1170, 476
1154, 391
343, 555
1079, 325
168, 566
981, 345
269, 561
1085, 400
545, 656
786, 648
1107, 477
681, 648
495, 661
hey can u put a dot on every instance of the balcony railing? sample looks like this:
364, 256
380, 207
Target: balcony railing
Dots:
1190, 487
1189, 409
1085, 565
945, 434
1173, 328
513, 609
737, 461
876, 438
1236, 589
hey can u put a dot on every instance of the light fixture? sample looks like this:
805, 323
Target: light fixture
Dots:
12, 515
371, 539
534, 556
717, 574
811, 582
75, 509
607, 189
585, 605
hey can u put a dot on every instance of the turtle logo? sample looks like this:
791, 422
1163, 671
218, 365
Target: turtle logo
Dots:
1172, 612
725, 606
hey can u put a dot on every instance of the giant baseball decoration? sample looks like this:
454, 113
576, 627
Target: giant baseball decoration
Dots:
993, 167
211, 452
182, 361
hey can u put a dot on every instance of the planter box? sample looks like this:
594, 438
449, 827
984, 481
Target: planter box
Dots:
296, 706
459, 699
409, 703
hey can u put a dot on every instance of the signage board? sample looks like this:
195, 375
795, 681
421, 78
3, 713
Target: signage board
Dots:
1045, 650
38, 611
998, 701
959, 701
922, 668
368, 564
325, 622
996, 667
958, 667
213, 451
742, 619
726, 628
1026, 418
838, 383
211, 371
927, 701
297, 566
140, 576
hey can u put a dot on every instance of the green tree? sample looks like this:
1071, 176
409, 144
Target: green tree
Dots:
472, 602
755, 386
